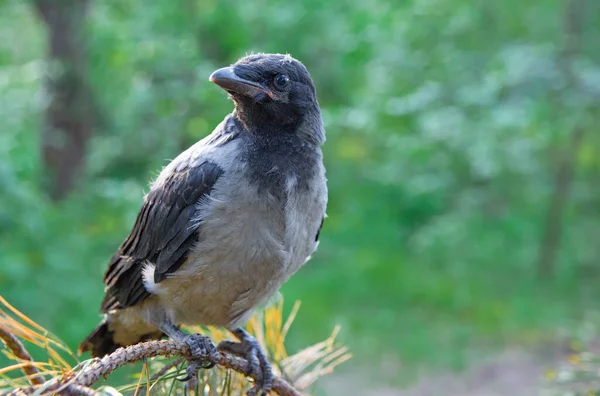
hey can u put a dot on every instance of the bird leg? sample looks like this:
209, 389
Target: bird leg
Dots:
202, 350
259, 366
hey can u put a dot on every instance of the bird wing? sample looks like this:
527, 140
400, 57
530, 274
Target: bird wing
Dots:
164, 231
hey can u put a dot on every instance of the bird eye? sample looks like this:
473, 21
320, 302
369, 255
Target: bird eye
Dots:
281, 81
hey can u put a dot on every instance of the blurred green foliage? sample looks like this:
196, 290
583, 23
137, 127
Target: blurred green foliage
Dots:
446, 120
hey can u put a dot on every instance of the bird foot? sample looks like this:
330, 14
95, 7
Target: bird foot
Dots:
258, 365
203, 356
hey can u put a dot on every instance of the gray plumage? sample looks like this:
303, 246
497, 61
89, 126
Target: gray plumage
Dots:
229, 220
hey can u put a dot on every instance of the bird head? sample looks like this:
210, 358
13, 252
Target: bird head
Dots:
273, 93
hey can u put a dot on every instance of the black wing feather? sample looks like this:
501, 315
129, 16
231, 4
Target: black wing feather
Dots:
319, 230
163, 233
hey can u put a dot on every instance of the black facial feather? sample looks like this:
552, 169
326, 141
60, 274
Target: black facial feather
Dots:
292, 109
264, 68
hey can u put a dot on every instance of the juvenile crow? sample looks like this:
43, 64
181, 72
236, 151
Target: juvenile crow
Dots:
226, 223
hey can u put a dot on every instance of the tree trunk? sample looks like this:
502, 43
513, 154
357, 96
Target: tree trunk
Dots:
573, 27
69, 115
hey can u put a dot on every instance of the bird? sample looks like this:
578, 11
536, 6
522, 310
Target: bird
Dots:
226, 223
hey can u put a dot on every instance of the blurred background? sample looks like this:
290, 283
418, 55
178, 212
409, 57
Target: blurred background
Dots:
461, 249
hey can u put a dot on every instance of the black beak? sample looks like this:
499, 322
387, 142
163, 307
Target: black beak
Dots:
231, 82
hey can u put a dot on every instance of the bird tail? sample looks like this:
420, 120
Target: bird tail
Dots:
100, 342
103, 340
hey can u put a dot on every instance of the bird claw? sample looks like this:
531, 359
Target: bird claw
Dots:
190, 373
203, 356
258, 364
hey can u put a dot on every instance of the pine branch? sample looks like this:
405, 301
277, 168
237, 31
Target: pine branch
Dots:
18, 349
122, 356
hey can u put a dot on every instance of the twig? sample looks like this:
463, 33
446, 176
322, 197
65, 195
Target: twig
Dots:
51, 387
163, 370
122, 356
77, 390
18, 349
